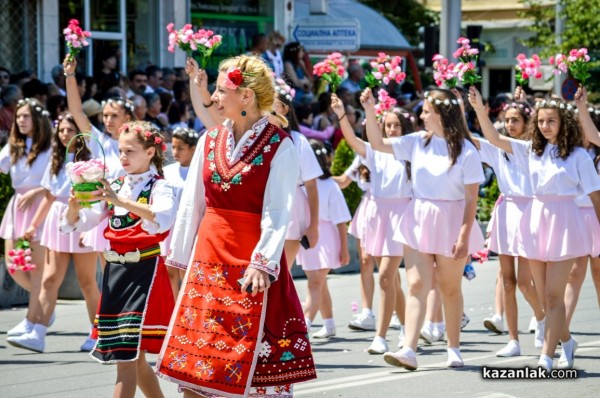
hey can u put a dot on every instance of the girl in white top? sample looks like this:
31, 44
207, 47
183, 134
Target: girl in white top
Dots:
61, 247
391, 192
183, 147
331, 252
25, 157
550, 230
516, 190
437, 226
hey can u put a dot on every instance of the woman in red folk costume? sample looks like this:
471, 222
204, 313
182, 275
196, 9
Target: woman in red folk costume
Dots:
227, 338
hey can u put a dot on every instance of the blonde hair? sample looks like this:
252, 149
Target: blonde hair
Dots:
258, 77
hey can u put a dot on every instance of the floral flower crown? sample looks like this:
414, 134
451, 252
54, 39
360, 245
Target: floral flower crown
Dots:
121, 102
283, 89
556, 104
446, 102
188, 133
519, 106
595, 111
320, 151
406, 115
34, 105
146, 133
62, 117
235, 77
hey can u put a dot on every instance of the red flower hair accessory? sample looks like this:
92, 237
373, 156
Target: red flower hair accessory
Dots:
234, 78
157, 140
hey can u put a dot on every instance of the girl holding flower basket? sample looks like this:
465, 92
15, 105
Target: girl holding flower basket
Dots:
61, 247
25, 157
136, 301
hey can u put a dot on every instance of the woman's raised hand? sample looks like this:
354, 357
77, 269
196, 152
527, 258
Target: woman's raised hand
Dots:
475, 99
191, 67
69, 66
581, 97
519, 95
367, 100
337, 105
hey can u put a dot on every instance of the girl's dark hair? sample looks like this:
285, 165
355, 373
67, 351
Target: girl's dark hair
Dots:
42, 132
407, 126
150, 137
595, 115
452, 119
176, 111
291, 115
363, 171
125, 104
291, 51
59, 150
179, 89
570, 133
321, 154
187, 135
323, 103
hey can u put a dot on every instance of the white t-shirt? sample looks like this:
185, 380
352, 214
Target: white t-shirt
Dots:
352, 173
175, 174
309, 165
512, 180
584, 200
389, 177
553, 176
432, 176
276, 60
22, 175
332, 204
111, 152
58, 185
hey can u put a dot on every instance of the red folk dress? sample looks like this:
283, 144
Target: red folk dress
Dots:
222, 341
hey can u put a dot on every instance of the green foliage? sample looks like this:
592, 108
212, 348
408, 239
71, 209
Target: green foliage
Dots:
485, 204
581, 29
344, 155
6, 192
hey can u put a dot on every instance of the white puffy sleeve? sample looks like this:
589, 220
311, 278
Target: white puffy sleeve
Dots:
190, 212
88, 219
163, 206
277, 206
5, 159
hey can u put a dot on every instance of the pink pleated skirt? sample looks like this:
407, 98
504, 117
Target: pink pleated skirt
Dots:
95, 239
505, 229
358, 225
432, 226
382, 219
53, 239
300, 217
326, 253
592, 227
554, 229
15, 222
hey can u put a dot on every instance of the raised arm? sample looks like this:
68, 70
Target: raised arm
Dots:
355, 143
201, 102
487, 127
378, 143
73, 98
589, 128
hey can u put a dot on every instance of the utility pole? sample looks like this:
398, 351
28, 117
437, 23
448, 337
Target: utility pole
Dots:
559, 28
450, 26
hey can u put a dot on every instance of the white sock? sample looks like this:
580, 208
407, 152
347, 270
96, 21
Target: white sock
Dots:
379, 339
498, 316
39, 331
329, 323
546, 360
439, 326
308, 323
428, 325
542, 322
367, 311
28, 323
567, 347
408, 351
454, 353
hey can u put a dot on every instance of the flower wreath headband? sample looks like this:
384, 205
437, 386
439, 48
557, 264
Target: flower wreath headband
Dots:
34, 106
446, 102
187, 132
556, 104
121, 102
519, 106
145, 134
595, 111
282, 88
66, 116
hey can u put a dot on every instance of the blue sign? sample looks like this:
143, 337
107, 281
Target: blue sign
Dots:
328, 34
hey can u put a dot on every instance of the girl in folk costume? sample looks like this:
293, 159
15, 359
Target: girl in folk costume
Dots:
550, 229
61, 247
136, 301
331, 252
437, 225
115, 113
183, 144
391, 192
238, 328
359, 173
25, 157
516, 192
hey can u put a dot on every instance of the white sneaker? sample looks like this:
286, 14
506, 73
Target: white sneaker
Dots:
405, 358
401, 338
324, 333
532, 324
426, 335
454, 358
363, 322
567, 356
539, 333
378, 346
438, 333
88, 344
395, 322
512, 349
545, 362
22, 328
27, 341
464, 321
494, 324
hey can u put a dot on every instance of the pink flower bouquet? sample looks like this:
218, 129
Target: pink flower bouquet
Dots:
75, 38
203, 41
528, 68
19, 258
577, 63
384, 105
444, 72
466, 68
85, 178
331, 70
385, 70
